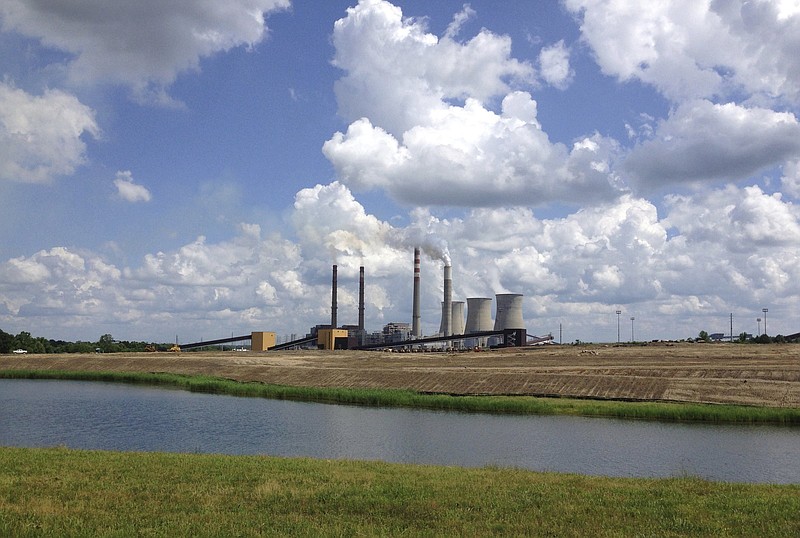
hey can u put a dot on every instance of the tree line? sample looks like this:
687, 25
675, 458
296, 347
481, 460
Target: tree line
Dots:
106, 344
745, 338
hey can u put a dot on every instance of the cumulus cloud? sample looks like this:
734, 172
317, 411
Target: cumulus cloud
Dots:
141, 44
424, 129
554, 65
130, 191
471, 156
790, 181
397, 73
705, 141
692, 49
41, 136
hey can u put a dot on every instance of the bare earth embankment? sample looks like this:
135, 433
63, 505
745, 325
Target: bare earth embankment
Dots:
763, 375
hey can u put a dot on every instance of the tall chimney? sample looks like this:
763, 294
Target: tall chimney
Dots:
447, 307
334, 284
416, 331
361, 298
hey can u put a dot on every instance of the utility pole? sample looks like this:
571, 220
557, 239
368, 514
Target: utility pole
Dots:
618, 314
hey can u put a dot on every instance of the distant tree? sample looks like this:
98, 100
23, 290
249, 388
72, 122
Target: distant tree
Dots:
742, 338
106, 344
23, 340
763, 339
779, 339
6, 342
703, 336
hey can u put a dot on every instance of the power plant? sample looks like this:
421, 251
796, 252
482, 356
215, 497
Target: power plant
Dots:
507, 329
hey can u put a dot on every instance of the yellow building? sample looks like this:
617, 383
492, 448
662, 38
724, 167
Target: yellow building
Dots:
262, 341
332, 339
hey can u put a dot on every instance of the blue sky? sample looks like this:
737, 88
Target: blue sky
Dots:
195, 169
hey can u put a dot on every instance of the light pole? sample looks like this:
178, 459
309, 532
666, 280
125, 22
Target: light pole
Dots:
765, 310
759, 326
618, 313
632, 338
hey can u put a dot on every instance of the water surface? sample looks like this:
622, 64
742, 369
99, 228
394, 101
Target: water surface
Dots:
109, 416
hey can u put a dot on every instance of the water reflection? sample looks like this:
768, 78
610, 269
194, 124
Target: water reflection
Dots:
121, 417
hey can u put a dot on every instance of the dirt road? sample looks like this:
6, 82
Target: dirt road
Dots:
766, 375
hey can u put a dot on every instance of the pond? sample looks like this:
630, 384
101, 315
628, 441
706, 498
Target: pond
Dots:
109, 416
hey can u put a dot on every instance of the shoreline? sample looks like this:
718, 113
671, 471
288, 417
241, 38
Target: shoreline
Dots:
748, 375
489, 404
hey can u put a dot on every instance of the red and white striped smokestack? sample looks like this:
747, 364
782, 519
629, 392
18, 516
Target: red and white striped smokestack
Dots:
416, 330
447, 307
334, 285
361, 298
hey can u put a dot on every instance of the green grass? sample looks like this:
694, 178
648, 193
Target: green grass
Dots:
61, 492
519, 405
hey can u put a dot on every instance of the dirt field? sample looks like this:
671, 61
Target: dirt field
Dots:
766, 375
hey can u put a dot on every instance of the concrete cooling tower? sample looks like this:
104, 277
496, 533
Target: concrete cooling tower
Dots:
479, 319
509, 312
458, 317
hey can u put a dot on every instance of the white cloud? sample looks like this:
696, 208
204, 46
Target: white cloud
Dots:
705, 141
459, 19
691, 48
741, 219
790, 181
144, 44
130, 191
329, 217
397, 73
424, 129
554, 65
41, 136
471, 156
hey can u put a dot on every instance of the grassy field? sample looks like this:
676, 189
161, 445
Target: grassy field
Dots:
519, 405
60, 492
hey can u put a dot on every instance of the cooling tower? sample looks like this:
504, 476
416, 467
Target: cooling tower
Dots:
416, 331
361, 298
334, 284
509, 312
457, 320
479, 319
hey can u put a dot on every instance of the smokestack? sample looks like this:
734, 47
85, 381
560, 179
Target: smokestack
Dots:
416, 331
361, 298
447, 307
334, 284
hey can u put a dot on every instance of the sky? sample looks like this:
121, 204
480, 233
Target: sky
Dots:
191, 170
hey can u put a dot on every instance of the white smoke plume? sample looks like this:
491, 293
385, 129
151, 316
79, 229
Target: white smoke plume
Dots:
434, 246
